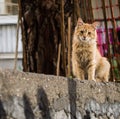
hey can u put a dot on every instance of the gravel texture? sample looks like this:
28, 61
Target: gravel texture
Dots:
38, 96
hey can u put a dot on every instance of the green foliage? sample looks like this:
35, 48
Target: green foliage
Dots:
116, 70
117, 74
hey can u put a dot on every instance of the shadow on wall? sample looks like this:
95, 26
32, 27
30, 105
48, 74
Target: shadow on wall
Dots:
43, 105
43, 102
72, 97
87, 116
27, 108
2, 111
42, 108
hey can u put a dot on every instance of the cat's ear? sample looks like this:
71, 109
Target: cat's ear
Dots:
80, 22
96, 24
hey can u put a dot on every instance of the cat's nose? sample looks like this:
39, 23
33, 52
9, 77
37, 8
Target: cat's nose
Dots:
84, 37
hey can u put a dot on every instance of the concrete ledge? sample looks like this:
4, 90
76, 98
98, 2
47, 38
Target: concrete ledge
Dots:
33, 96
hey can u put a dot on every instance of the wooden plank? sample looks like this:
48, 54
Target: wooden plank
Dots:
107, 38
63, 37
69, 46
58, 60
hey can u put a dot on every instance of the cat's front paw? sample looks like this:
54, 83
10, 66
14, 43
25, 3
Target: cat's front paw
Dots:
94, 79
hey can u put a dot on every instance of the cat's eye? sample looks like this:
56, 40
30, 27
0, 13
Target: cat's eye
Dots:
81, 32
89, 33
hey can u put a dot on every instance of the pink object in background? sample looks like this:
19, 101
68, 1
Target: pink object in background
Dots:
100, 39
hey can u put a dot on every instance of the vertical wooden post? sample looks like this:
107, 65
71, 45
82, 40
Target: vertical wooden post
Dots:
24, 62
58, 60
106, 26
17, 35
107, 37
115, 45
85, 11
76, 12
77, 8
90, 11
17, 39
63, 37
74, 15
119, 5
113, 24
69, 46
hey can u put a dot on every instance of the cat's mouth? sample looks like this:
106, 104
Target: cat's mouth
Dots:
84, 39
87, 40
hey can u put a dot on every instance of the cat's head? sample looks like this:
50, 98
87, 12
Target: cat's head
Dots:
86, 32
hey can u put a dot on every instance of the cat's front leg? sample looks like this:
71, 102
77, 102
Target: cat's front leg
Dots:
80, 74
91, 72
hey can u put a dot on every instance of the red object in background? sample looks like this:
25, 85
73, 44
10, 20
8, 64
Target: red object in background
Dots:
101, 40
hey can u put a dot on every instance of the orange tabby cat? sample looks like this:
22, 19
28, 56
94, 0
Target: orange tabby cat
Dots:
86, 58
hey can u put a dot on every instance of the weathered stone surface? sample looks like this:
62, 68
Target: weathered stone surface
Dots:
39, 96
60, 115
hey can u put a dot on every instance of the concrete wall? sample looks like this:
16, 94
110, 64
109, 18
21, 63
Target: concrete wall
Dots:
39, 96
